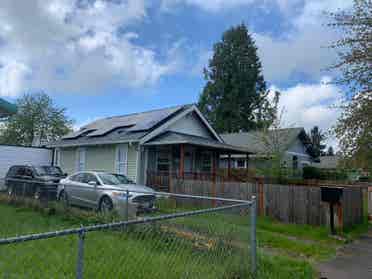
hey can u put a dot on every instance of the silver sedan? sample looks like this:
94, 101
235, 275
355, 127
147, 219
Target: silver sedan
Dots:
104, 191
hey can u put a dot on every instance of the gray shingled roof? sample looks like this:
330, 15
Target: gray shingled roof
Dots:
124, 128
260, 142
171, 137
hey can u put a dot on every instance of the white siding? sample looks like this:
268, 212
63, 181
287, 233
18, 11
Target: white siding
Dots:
190, 124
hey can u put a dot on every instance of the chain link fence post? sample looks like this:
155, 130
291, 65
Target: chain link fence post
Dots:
253, 237
127, 206
80, 256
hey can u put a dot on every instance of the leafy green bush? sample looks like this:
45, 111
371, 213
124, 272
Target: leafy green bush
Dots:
309, 172
323, 174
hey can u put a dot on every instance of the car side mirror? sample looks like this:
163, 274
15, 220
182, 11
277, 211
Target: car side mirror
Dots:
92, 183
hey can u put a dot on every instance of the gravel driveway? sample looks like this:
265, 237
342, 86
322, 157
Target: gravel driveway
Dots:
352, 261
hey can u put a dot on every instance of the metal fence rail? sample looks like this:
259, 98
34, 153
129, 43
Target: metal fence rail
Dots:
178, 223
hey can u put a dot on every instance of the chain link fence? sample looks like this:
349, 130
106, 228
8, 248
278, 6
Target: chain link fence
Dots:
185, 237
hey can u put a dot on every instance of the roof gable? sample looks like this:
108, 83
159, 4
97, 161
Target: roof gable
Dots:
260, 142
167, 125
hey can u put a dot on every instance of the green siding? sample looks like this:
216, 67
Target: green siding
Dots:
67, 159
100, 157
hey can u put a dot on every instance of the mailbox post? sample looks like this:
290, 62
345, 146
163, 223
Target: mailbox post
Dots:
331, 195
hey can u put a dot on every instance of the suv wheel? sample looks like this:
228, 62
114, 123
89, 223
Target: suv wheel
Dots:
37, 193
10, 191
106, 205
63, 198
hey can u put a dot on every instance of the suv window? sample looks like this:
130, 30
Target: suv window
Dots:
28, 172
20, 171
12, 171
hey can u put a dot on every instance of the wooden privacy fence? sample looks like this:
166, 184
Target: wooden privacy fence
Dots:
287, 203
369, 193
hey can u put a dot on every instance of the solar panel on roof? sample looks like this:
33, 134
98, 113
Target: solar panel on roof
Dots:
130, 123
134, 122
79, 133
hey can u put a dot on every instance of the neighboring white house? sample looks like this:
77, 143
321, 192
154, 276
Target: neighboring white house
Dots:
292, 143
327, 162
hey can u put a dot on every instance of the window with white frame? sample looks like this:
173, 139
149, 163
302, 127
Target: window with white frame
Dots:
121, 159
57, 157
295, 162
80, 165
240, 163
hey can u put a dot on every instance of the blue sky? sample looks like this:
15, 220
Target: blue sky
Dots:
101, 58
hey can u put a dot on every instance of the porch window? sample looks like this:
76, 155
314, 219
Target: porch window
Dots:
206, 162
80, 159
121, 159
240, 163
162, 161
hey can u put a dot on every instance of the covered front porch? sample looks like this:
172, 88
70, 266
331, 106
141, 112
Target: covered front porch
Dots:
186, 157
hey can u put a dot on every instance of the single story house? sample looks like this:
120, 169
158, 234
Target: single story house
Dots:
292, 144
6, 108
177, 139
327, 162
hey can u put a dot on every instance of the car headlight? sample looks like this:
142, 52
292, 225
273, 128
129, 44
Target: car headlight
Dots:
121, 194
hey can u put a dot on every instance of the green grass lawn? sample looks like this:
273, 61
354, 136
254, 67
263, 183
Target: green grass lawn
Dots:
206, 246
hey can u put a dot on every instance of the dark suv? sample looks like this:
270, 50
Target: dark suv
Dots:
33, 181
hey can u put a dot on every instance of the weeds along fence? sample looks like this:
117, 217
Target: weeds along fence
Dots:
178, 240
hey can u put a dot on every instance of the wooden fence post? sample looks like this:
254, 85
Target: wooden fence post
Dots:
340, 217
261, 196
214, 169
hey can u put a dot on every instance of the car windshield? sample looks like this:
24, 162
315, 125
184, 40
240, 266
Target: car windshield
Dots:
123, 179
48, 170
109, 179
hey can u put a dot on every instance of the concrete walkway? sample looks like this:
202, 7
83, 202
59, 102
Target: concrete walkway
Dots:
352, 261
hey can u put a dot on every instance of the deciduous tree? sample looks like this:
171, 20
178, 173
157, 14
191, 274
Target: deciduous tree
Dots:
37, 120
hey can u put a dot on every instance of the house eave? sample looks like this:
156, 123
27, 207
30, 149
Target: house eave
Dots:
90, 144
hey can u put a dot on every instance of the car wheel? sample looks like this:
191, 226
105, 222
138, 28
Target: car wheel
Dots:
37, 193
63, 198
106, 205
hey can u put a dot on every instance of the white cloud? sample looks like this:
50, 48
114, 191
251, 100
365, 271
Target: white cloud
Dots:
303, 49
12, 74
303, 52
74, 46
309, 105
208, 5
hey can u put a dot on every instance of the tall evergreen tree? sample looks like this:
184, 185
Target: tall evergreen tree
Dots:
235, 97
330, 151
317, 137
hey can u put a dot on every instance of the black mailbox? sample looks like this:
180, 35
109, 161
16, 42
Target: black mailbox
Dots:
331, 194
